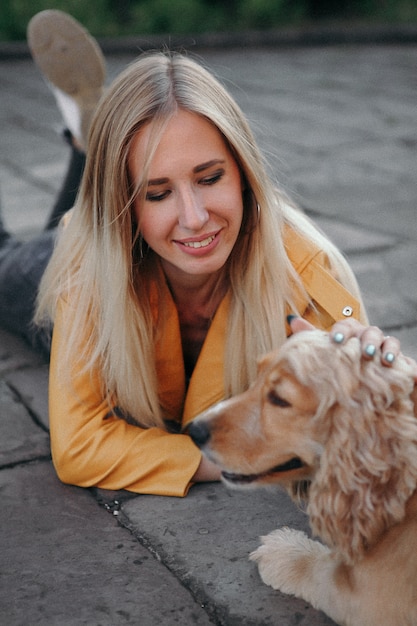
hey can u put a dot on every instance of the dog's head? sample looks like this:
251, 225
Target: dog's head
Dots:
319, 413
276, 431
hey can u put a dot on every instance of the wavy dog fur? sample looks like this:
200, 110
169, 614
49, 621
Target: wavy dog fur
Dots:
322, 417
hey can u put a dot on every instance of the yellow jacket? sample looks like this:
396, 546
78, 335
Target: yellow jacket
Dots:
90, 448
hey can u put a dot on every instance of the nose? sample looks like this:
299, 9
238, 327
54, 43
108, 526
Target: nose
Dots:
199, 433
192, 214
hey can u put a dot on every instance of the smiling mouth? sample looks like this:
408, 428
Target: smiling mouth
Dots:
292, 464
199, 244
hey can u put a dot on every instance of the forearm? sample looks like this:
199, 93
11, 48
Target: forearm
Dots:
116, 455
206, 471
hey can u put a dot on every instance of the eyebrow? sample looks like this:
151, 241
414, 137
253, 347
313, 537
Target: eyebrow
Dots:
196, 170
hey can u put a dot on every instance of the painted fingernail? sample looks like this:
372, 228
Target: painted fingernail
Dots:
370, 350
389, 357
290, 318
338, 337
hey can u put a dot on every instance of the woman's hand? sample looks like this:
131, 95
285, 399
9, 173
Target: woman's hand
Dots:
206, 472
371, 337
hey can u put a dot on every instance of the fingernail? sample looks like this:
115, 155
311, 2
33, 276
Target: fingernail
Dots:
389, 357
290, 318
338, 337
370, 350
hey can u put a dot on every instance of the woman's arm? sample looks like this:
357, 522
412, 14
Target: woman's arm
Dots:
91, 447
206, 472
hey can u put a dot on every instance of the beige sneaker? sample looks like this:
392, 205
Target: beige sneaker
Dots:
72, 63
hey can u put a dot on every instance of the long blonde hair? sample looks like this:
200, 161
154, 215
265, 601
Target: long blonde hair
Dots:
97, 264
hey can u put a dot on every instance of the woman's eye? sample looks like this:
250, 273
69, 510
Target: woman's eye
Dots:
213, 179
157, 197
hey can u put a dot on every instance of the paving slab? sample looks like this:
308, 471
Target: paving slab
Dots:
21, 440
390, 294
205, 539
15, 354
64, 561
30, 387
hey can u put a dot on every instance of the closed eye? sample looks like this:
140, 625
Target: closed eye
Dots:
213, 179
276, 400
157, 197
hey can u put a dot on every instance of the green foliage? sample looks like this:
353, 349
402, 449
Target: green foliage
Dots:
115, 18
94, 14
180, 16
263, 14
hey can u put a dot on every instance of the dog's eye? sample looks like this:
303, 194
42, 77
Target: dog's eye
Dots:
276, 400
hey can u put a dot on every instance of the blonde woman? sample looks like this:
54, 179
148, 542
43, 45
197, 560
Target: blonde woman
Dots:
175, 271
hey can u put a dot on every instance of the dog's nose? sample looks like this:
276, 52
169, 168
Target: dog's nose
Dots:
199, 433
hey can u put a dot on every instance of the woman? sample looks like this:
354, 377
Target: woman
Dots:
74, 67
176, 270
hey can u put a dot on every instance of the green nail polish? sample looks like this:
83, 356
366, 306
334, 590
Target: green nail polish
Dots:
389, 357
338, 337
370, 350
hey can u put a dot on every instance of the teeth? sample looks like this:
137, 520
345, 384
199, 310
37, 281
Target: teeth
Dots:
199, 244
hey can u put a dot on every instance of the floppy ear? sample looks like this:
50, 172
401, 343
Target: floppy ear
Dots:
368, 470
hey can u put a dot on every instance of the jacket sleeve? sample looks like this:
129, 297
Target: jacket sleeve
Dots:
332, 290
91, 448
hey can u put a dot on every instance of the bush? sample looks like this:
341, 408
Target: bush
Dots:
15, 15
126, 17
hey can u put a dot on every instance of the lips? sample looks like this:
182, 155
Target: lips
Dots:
199, 244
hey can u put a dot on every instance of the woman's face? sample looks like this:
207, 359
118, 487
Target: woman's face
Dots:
193, 209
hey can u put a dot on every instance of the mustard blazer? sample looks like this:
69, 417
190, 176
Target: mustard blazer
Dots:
89, 448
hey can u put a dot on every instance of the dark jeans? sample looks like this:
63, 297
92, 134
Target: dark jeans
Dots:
22, 265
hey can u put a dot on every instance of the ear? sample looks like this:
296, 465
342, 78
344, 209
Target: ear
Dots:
369, 467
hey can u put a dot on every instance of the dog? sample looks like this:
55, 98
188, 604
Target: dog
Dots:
340, 433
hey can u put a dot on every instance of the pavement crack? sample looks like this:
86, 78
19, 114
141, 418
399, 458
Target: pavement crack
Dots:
22, 400
22, 462
205, 603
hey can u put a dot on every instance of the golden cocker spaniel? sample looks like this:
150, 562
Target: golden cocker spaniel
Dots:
340, 432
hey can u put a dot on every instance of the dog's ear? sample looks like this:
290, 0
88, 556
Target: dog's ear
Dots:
299, 491
368, 470
414, 399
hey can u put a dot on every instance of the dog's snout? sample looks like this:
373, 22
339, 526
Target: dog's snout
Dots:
199, 433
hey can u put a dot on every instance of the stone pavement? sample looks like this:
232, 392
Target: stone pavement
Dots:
339, 126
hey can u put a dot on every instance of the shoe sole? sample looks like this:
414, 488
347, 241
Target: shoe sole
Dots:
69, 58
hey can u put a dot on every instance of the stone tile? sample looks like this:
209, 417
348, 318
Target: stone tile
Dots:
205, 539
15, 354
31, 387
353, 239
66, 561
21, 440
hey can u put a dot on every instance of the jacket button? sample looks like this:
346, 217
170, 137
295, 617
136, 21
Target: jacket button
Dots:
347, 311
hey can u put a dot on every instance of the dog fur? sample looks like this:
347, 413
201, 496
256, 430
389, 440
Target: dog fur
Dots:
341, 432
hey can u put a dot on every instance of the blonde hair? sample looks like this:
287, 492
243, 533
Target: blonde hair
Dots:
97, 263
